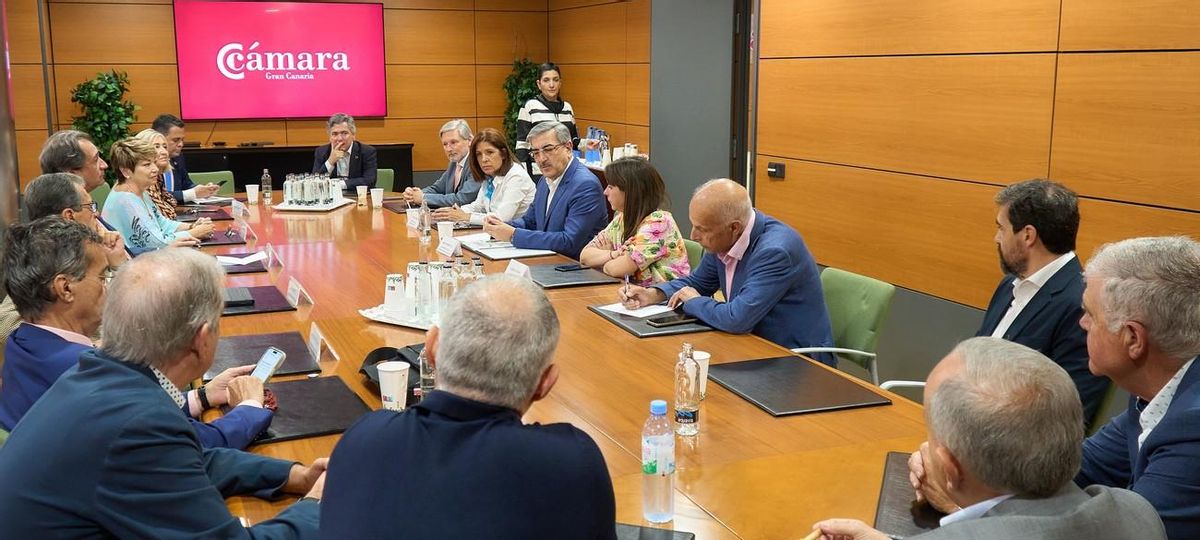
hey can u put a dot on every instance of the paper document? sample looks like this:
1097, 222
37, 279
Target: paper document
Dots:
239, 261
474, 238
213, 200
648, 311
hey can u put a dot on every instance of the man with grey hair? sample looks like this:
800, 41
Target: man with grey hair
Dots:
1005, 427
770, 281
66, 195
176, 179
125, 463
568, 208
1038, 301
457, 186
413, 471
72, 151
1142, 316
353, 162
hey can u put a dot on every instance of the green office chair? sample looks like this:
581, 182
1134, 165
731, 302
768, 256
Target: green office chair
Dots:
386, 179
213, 177
3, 436
695, 252
100, 194
857, 306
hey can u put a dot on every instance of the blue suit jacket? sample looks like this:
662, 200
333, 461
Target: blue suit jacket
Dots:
35, 358
451, 467
183, 181
1049, 324
1166, 470
776, 291
363, 167
576, 214
106, 453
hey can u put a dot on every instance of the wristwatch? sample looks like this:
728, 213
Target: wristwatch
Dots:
203, 395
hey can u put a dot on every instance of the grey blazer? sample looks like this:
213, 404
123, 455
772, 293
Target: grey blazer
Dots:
441, 193
1097, 513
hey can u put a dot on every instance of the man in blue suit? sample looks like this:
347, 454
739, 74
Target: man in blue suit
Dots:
177, 180
1038, 302
1142, 317
345, 158
462, 464
769, 279
568, 208
108, 452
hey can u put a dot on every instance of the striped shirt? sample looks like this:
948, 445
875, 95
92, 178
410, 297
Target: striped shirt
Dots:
536, 111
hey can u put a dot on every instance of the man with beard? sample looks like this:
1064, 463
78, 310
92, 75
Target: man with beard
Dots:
1038, 303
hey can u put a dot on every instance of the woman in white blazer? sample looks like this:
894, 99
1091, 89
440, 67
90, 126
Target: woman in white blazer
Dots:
507, 190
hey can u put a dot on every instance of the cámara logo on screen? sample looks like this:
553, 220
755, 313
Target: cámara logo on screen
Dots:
233, 63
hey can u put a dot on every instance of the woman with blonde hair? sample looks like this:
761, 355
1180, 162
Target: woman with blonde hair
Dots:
158, 191
130, 210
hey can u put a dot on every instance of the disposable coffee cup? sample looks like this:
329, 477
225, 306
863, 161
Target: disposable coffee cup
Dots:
377, 197
252, 193
362, 195
393, 384
702, 358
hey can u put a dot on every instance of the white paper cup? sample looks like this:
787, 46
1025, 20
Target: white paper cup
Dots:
702, 358
412, 216
445, 230
393, 384
252, 193
377, 197
362, 190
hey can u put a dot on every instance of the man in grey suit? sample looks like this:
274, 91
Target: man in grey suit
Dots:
1005, 432
456, 186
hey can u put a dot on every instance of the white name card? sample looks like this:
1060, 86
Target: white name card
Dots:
272, 257
316, 340
239, 209
449, 247
296, 293
517, 268
414, 218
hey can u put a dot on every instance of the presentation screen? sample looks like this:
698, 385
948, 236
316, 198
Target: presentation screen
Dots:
245, 60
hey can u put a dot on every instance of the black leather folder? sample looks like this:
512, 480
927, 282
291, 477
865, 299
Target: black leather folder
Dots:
548, 278
186, 215
789, 385
399, 207
898, 512
637, 532
267, 299
312, 407
236, 351
640, 328
224, 237
256, 266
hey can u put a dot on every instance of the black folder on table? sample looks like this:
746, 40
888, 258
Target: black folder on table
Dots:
792, 385
224, 237
637, 532
237, 351
267, 299
185, 215
237, 297
898, 513
549, 278
399, 207
640, 328
256, 266
312, 407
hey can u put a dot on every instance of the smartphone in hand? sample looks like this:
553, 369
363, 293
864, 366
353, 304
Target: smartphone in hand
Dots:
268, 364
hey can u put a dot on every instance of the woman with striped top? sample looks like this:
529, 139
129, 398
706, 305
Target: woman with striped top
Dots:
548, 105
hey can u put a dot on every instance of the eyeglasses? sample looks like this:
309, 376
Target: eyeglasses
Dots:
544, 150
90, 206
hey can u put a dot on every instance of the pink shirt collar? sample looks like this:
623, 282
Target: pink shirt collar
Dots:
67, 335
739, 247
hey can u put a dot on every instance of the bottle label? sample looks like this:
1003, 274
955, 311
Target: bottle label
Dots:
687, 417
649, 457
658, 456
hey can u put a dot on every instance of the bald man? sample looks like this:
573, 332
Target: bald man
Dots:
768, 277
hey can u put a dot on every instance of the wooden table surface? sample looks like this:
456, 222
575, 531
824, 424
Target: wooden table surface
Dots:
747, 475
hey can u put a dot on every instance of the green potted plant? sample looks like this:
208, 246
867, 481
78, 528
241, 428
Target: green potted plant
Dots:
520, 86
107, 115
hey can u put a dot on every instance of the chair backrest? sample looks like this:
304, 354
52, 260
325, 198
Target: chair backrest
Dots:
100, 194
695, 252
857, 306
386, 179
3, 436
213, 177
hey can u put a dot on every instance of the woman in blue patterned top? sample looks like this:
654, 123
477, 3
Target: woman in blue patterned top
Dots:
130, 210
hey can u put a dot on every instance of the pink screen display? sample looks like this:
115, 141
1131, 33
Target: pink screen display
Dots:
279, 59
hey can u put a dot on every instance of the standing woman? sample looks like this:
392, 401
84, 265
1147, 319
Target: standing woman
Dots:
642, 241
546, 106
507, 189
130, 210
158, 191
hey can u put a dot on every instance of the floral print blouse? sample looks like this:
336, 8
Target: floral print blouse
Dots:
657, 248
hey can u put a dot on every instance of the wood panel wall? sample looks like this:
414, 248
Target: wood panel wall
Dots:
445, 59
899, 122
603, 48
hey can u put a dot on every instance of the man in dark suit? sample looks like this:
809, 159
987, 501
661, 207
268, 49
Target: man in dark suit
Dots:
1005, 428
456, 186
1142, 306
568, 208
1038, 302
461, 464
107, 452
177, 180
770, 281
345, 158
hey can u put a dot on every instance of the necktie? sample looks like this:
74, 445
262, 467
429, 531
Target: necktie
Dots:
457, 175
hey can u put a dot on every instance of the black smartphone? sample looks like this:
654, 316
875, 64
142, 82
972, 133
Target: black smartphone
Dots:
222, 182
569, 267
670, 319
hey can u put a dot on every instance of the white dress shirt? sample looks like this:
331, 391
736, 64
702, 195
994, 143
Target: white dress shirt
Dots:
1025, 289
975, 511
1154, 411
511, 196
552, 186
342, 166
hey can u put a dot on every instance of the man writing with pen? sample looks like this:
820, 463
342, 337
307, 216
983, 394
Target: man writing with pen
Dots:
762, 267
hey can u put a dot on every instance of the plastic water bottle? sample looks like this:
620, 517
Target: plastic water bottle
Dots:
265, 188
477, 270
428, 374
658, 465
687, 393
424, 293
426, 224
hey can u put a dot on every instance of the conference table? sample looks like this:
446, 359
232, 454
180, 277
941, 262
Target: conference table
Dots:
747, 475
